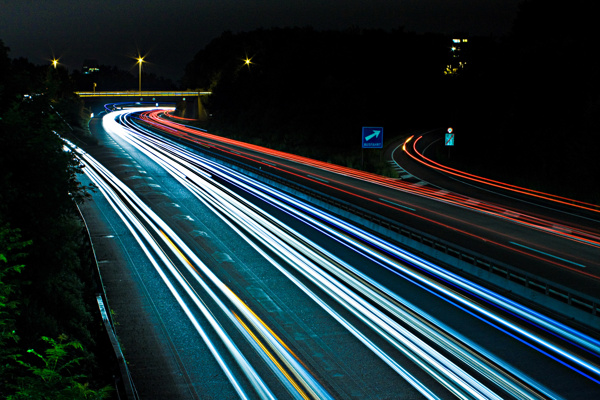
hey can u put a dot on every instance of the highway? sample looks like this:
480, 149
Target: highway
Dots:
576, 223
290, 301
560, 252
577, 219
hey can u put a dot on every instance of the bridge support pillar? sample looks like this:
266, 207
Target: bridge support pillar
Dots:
202, 115
191, 107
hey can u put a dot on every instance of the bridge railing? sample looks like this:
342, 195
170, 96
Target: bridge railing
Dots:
136, 93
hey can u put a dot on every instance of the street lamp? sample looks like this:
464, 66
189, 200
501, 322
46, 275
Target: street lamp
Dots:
140, 61
54, 62
248, 61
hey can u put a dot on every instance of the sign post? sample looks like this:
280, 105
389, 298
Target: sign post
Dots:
372, 138
449, 140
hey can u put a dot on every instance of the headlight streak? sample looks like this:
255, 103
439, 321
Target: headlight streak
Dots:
175, 128
302, 375
272, 241
239, 176
581, 236
444, 371
561, 331
415, 383
355, 332
554, 326
532, 222
270, 237
463, 355
557, 329
145, 240
228, 172
312, 385
253, 339
265, 351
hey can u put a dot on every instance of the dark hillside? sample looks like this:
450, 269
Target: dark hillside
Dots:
49, 318
533, 113
525, 108
308, 91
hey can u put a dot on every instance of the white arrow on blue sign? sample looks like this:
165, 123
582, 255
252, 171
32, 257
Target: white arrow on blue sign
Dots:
372, 137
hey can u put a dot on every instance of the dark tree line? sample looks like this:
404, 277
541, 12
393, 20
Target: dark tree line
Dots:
525, 109
311, 92
49, 328
109, 78
533, 110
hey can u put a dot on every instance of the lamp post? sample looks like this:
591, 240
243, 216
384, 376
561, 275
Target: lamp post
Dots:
140, 61
54, 62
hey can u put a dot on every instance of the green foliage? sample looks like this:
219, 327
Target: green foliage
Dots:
52, 375
11, 250
38, 193
38, 188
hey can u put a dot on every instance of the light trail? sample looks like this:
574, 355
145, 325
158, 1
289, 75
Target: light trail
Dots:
532, 222
227, 207
593, 345
517, 189
301, 374
130, 209
558, 229
313, 260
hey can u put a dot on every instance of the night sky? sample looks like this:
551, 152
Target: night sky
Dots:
171, 32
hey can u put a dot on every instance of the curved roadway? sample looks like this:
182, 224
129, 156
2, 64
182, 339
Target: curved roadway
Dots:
285, 300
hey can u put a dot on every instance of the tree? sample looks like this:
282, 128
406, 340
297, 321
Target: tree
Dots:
38, 194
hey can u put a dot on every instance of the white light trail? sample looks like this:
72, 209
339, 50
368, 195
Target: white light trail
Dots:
311, 260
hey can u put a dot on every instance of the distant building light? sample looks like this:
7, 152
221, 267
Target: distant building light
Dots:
456, 40
90, 66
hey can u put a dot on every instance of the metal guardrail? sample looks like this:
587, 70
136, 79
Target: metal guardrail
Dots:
540, 285
545, 287
126, 380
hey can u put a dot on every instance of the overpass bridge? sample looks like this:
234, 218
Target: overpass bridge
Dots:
188, 101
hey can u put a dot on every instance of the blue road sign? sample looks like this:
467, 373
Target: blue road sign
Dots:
372, 138
449, 139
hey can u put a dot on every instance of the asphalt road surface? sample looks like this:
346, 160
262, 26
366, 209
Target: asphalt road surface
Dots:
225, 288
